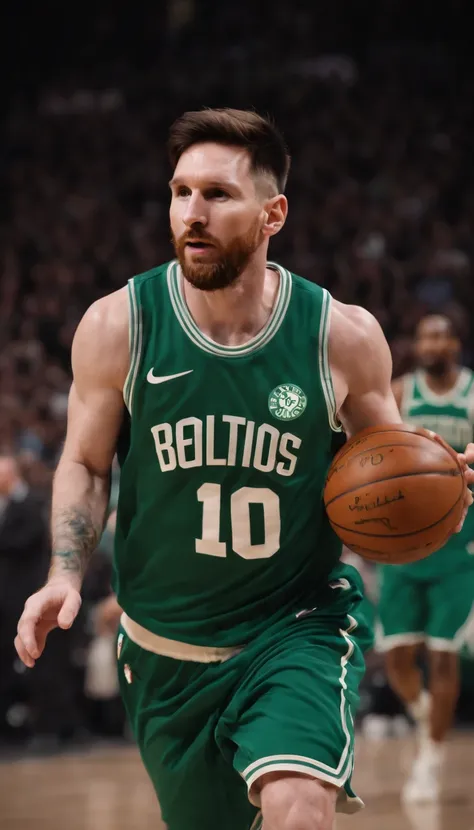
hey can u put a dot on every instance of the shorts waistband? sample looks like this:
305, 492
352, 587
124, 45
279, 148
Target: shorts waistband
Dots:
173, 648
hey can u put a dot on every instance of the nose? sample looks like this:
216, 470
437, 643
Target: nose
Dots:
195, 212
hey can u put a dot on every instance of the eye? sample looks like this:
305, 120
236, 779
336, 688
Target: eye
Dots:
182, 191
216, 193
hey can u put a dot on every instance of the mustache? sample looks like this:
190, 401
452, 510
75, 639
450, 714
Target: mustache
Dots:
197, 236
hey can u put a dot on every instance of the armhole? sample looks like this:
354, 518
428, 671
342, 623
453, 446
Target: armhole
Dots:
408, 394
324, 370
466, 382
135, 339
470, 402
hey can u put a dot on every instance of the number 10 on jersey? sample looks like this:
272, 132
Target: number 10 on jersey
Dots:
210, 496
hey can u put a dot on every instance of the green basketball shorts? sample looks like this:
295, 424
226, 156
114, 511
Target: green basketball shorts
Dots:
285, 702
438, 611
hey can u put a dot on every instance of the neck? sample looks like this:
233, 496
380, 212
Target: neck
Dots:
232, 316
445, 382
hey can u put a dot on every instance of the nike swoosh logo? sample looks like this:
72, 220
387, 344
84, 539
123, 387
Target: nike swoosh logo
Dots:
151, 378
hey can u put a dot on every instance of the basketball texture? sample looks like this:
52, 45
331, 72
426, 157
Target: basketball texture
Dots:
393, 494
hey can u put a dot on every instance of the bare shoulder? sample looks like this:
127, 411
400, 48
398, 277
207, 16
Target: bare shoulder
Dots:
361, 369
109, 314
101, 348
353, 332
359, 355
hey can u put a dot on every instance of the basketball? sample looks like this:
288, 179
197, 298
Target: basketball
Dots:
394, 494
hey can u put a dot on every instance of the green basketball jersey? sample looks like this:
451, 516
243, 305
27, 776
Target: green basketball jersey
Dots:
451, 415
221, 527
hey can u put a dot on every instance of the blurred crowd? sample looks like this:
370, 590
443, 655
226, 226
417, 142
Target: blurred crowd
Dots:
381, 190
381, 193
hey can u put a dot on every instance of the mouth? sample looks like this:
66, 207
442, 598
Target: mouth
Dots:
199, 243
199, 246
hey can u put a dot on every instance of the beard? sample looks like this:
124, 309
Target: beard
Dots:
226, 263
436, 366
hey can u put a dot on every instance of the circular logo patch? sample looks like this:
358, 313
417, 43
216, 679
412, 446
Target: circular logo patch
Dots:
287, 402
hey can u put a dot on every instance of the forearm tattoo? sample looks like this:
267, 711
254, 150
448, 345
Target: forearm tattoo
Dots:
75, 537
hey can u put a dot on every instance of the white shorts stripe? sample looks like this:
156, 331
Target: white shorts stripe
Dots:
441, 644
276, 761
386, 643
254, 796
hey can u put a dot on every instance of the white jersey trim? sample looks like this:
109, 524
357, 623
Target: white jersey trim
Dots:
173, 648
324, 367
135, 339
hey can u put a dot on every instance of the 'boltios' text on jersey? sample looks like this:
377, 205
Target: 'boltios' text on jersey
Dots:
220, 527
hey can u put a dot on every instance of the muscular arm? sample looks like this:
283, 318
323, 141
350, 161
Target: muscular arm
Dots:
361, 367
81, 483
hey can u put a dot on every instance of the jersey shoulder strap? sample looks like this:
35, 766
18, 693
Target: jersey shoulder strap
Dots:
410, 394
313, 303
466, 383
141, 295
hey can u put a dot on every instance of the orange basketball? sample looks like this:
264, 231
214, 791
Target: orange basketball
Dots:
394, 494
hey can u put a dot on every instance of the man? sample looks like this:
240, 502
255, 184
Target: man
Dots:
241, 649
430, 602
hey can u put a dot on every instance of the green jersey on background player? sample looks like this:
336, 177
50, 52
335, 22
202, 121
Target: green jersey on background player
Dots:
447, 410
431, 602
451, 415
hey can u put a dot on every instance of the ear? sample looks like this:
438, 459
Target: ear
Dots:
276, 211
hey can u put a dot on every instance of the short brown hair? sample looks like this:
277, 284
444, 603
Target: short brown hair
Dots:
238, 128
454, 318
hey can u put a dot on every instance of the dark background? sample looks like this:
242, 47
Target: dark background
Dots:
375, 100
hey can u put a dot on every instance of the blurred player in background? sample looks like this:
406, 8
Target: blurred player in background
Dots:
431, 602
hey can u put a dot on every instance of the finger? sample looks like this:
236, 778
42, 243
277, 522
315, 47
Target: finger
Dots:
27, 633
23, 654
33, 612
468, 475
469, 453
69, 610
468, 498
461, 521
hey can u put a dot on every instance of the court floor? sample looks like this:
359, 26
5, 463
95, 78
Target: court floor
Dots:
107, 789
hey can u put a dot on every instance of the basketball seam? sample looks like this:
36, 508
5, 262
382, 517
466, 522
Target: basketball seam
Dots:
387, 554
345, 450
381, 447
399, 535
452, 473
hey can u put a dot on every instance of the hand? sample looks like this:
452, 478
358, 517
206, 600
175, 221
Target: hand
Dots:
55, 605
107, 615
465, 459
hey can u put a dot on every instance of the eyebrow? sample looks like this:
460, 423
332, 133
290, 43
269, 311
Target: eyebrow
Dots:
177, 181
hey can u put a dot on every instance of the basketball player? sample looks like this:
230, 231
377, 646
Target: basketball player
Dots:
241, 646
430, 601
